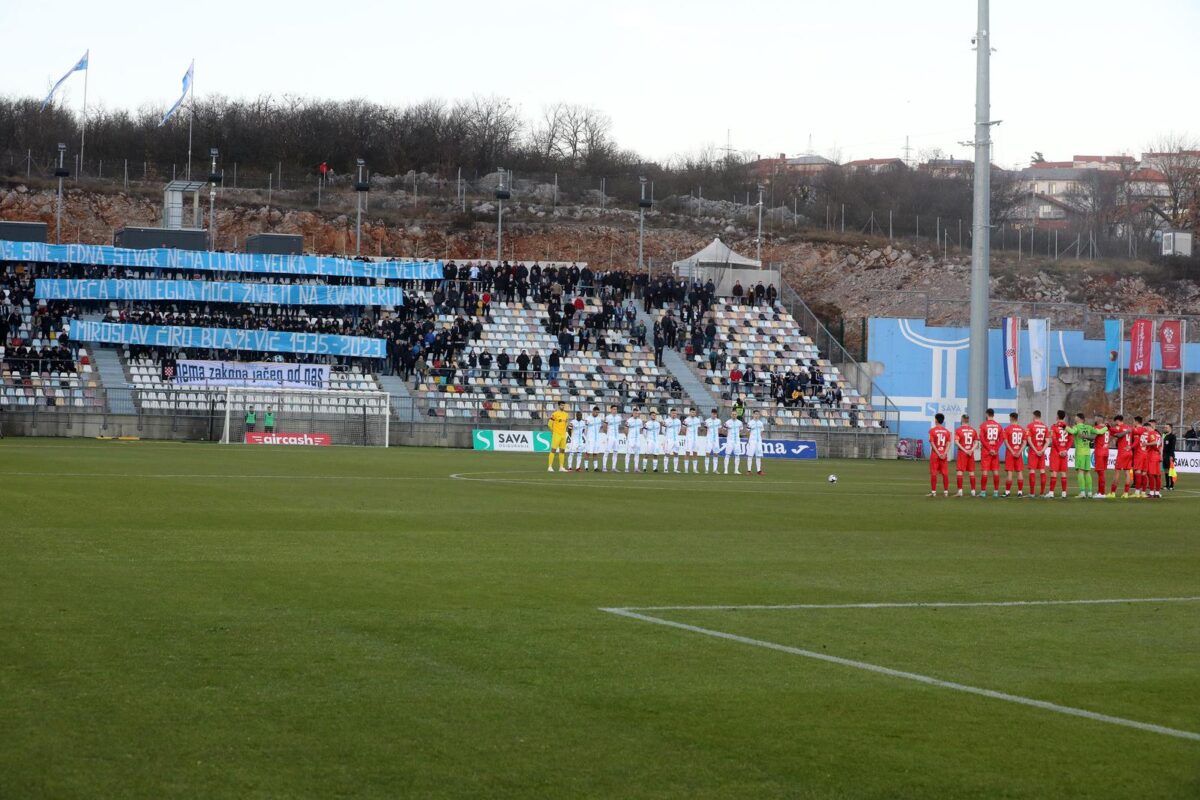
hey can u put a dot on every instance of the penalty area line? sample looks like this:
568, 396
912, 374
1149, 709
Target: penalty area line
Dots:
910, 676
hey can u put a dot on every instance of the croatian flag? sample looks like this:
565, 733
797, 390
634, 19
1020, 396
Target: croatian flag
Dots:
1010, 332
187, 84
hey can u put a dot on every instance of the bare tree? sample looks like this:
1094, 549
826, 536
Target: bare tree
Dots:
1177, 157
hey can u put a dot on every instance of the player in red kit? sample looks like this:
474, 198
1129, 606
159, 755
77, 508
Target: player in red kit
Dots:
1123, 435
966, 439
1038, 436
1060, 445
939, 455
1139, 457
1153, 464
991, 436
1014, 456
1100, 446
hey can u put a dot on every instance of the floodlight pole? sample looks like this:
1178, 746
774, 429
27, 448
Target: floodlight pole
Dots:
643, 204
213, 177
760, 209
359, 188
502, 194
977, 383
60, 173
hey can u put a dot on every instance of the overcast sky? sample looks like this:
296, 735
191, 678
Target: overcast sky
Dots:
857, 76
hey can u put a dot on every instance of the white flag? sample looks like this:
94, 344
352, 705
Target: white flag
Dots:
187, 84
1039, 352
80, 65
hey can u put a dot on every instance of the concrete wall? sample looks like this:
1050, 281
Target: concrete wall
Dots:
840, 444
1070, 389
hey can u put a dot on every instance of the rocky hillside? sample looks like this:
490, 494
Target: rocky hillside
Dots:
844, 275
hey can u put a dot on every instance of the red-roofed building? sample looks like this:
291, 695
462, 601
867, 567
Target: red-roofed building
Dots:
1148, 183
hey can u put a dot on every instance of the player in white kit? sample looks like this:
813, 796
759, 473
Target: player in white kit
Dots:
633, 440
712, 442
754, 443
733, 444
671, 430
651, 446
576, 442
595, 439
691, 447
612, 429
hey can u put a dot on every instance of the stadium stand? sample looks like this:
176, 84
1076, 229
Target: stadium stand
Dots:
759, 352
458, 343
597, 366
37, 368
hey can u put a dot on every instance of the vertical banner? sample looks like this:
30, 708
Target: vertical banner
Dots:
1039, 353
1141, 340
1170, 343
1010, 330
1112, 345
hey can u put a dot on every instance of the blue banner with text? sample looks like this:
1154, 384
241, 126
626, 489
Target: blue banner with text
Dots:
260, 341
786, 448
279, 294
213, 261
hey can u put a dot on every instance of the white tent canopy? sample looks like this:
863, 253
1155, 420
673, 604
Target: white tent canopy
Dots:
716, 254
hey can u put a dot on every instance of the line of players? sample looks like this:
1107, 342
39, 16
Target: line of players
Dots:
1043, 452
677, 441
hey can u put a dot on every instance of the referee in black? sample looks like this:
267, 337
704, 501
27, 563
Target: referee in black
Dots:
1168, 456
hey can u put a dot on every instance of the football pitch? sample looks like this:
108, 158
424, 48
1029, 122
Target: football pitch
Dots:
192, 620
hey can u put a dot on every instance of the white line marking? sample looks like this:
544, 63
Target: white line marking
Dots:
911, 676
221, 476
991, 604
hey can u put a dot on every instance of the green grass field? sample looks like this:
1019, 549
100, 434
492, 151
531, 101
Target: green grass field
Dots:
188, 620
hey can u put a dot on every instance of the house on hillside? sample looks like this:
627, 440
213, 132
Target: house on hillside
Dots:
876, 166
1106, 163
809, 164
948, 167
1058, 182
1148, 184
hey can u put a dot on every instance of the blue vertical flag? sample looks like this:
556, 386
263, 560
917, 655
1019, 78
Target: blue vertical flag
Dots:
1010, 336
81, 65
187, 85
1112, 347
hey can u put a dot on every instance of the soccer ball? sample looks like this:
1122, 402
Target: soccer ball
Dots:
832, 479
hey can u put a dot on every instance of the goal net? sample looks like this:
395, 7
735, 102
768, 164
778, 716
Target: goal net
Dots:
305, 417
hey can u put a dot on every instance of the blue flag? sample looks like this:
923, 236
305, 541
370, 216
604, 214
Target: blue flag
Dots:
80, 65
1112, 345
187, 85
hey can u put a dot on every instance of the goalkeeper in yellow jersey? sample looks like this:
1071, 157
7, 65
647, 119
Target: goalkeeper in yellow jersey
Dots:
558, 437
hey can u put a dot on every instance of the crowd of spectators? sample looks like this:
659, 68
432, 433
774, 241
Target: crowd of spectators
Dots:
31, 331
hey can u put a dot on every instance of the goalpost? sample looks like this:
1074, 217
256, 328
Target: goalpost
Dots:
306, 416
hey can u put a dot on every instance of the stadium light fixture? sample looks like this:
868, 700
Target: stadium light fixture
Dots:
760, 209
643, 204
360, 186
60, 173
502, 193
214, 178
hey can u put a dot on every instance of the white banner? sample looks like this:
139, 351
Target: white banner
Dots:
1187, 462
1184, 462
254, 374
